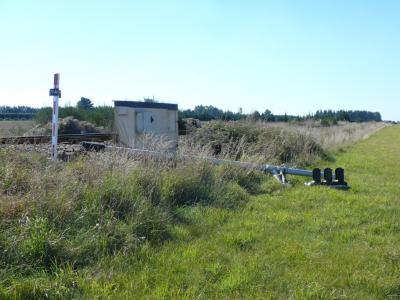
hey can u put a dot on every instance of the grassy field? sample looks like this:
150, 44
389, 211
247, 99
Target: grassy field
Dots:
15, 128
299, 243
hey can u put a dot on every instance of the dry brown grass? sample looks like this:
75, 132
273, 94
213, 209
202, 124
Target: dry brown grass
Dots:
335, 136
296, 144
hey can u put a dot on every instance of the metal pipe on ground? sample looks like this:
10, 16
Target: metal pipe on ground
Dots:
335, 180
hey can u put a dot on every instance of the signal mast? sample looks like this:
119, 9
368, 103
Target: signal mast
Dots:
56, 93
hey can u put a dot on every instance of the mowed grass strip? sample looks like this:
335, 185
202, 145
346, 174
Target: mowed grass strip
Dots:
298, 243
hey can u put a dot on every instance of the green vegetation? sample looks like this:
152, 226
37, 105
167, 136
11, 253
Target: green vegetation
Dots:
102, 116
85, 103
99, 115
17, 112
58, 217
112, 227
209, 112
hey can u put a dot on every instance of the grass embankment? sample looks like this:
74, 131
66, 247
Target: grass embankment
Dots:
286, 243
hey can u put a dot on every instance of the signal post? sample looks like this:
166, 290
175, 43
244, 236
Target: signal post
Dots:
56, 93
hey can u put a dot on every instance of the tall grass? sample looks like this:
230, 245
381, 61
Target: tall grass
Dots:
334, 136
296, 143
256, 141
57, 218
73, 214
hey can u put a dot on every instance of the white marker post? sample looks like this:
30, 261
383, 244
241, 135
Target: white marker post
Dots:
56, 93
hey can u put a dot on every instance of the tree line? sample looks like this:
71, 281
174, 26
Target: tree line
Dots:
209, 112
103, 115
84, 111
348, 115
17, 109
17, 112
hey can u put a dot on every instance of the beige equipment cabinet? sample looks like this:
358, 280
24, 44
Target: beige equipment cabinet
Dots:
146, 125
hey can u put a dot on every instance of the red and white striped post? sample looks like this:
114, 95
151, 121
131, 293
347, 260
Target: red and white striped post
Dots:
56, 93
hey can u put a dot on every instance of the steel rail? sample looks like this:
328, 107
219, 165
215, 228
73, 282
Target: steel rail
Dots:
73, 138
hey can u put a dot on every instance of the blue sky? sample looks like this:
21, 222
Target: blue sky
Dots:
287, 56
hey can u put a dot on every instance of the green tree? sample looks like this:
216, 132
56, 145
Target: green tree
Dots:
255, 116
43, 115
267, 116
84, 103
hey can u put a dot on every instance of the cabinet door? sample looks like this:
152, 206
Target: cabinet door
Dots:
139, 122
149, 121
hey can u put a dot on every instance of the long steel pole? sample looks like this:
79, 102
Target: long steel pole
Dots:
274, 170
54, 123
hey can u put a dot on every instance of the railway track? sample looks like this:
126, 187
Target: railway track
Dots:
71, 138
